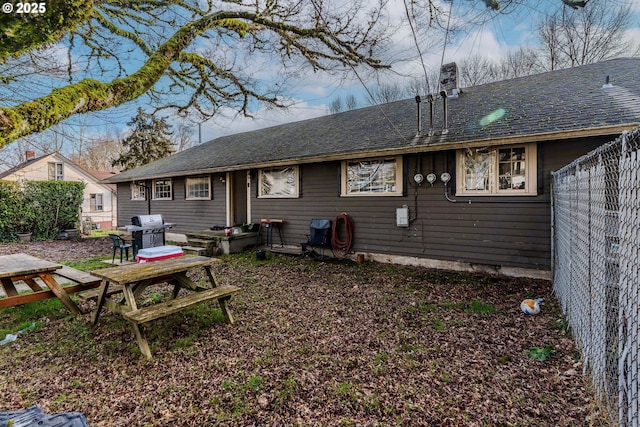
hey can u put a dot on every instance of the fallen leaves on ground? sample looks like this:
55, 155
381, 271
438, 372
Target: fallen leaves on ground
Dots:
315, 343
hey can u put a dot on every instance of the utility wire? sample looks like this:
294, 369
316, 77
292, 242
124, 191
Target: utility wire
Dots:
444, 45
333, 36
415, 40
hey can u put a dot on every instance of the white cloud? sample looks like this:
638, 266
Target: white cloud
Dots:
231, 123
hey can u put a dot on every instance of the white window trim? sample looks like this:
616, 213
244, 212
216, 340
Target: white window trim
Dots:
56, 176
193, 178
531, 174
296, 191
399, 179
170, 189
96, 205
143, 190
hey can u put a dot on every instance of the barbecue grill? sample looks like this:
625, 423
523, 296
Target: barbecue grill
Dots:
148, 231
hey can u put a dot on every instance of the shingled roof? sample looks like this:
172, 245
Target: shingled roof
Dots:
556, 105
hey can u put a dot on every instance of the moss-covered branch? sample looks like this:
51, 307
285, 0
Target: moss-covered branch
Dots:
90, 95
21, 32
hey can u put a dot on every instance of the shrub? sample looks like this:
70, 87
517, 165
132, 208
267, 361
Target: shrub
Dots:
43, 208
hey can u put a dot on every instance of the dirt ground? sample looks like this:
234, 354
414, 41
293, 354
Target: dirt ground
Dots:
314, 344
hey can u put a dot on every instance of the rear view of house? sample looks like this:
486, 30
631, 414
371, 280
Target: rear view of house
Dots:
455, 180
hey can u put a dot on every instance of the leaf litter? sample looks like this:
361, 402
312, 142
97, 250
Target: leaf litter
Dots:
314, 344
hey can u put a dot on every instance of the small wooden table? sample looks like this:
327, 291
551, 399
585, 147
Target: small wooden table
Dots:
27, 268
131, 280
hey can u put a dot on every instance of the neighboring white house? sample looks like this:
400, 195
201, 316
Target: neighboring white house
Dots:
99, 202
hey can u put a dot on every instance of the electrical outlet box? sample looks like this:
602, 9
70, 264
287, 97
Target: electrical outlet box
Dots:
402, 217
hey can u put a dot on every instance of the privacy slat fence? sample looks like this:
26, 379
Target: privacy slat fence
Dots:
596, 264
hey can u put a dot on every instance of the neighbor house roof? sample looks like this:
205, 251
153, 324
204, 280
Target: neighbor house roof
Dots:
90, 176
556, 105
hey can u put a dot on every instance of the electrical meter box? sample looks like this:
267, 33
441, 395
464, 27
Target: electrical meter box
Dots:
402, 216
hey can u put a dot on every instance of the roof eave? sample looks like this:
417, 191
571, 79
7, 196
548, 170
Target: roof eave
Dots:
420, 144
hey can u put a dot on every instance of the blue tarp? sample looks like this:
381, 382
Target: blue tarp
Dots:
34, 416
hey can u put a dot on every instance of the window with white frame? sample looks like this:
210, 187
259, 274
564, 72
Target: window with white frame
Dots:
96, 203
55, 171
198, 188
138, 192
162, 189
372, 177
278, 182
508, 170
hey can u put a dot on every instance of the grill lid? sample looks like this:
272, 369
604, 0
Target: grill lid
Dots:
148, 221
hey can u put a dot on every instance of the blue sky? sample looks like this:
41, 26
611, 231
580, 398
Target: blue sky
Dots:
488, 33
492, 35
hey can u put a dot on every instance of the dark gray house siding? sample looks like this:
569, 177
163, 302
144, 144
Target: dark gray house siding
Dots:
495, 232
561, 114
188, 215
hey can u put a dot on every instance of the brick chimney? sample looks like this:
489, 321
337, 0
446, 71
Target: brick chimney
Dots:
30, 155
449, 79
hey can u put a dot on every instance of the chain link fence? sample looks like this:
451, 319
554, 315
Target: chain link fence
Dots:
596, 265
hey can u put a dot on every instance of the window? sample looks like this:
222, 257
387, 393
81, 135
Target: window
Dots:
138, 192
162, 189
497, 170
198, 188
96, 203
56, 171
278, 182
375, 177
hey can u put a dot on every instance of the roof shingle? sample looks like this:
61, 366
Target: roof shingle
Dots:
541, 106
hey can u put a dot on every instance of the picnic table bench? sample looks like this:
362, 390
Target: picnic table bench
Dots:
132, 280
26, 268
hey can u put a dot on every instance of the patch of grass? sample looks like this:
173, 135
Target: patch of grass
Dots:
88, 264
253, 383
24, 315
182, 343
480, 307
437, 324
540, 353
346, 390
286, 391
100, 233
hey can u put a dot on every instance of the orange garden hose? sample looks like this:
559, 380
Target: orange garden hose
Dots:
341, 248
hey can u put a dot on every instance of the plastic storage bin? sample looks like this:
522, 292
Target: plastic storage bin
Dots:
157, 253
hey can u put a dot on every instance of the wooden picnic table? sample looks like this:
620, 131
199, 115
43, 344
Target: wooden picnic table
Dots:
131, 280
26, 268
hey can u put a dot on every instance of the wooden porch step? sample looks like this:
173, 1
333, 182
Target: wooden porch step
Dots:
156, 311
195, 250
200, 242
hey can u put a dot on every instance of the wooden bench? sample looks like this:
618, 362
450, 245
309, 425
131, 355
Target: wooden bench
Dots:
93, 294
156, 311
77, 276
83, 281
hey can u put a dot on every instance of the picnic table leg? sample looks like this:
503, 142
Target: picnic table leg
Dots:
130, 298
226, 312
9, 287
60, 293
212, 277
142, 341
100, 302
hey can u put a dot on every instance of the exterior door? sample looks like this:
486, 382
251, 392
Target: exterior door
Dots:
239, 196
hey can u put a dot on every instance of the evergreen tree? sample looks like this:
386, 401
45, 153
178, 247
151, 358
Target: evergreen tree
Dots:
149, 141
